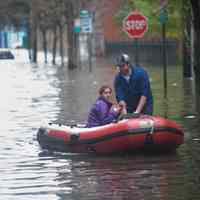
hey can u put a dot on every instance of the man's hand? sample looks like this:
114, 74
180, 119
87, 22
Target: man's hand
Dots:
122, 104
141, 104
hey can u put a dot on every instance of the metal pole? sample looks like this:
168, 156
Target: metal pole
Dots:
90, 51
164, 59
136, 52
79, 54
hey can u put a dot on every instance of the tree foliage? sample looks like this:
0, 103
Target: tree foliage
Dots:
43, 15
14, 12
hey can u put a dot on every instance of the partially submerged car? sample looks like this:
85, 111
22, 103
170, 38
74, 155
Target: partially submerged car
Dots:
6, 54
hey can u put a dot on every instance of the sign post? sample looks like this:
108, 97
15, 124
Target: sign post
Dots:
163, 18
135, 25
77, 30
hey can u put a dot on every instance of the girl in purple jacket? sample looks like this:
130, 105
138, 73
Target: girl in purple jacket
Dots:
103, 112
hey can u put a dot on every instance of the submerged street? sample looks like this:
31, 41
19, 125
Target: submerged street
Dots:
36, 94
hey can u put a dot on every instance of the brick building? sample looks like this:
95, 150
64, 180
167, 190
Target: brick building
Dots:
105, 28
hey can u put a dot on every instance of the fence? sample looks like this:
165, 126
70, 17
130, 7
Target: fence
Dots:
150, 52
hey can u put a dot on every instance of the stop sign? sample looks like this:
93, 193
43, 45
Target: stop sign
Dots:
135, 25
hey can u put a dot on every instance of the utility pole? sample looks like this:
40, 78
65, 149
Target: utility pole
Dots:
163, 18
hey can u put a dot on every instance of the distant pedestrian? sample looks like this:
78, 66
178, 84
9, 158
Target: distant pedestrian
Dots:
132, 87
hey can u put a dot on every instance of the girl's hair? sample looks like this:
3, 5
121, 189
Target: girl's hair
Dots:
103, 88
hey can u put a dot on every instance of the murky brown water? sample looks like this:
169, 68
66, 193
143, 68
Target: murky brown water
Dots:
31, 94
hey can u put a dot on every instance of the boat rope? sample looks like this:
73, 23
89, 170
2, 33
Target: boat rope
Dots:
149, 135
152, 127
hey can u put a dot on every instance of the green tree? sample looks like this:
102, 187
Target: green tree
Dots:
151, 9
52, 15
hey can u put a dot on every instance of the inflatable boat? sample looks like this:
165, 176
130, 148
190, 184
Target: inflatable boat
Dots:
131, 134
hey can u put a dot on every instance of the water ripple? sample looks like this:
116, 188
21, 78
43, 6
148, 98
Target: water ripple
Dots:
37, 94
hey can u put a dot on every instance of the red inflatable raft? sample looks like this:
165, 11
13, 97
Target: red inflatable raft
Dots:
144, 132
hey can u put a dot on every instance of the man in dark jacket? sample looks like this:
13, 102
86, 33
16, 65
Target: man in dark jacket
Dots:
132, 87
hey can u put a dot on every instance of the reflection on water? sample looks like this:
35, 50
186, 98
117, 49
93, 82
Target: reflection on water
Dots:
126, 177
33, 95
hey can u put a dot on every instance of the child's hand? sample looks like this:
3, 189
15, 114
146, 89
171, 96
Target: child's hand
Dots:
117, 108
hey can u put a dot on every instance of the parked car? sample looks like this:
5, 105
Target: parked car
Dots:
6, 54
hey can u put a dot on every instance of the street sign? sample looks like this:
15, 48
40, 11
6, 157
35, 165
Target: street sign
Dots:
85, 21
77, 25
163, 16
163, 4
135, 25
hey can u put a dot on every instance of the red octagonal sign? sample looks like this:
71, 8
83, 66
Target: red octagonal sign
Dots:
135, 25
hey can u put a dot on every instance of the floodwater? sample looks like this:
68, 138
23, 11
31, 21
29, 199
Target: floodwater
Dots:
35, 94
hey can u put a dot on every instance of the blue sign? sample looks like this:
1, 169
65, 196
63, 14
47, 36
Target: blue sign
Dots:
163, 17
